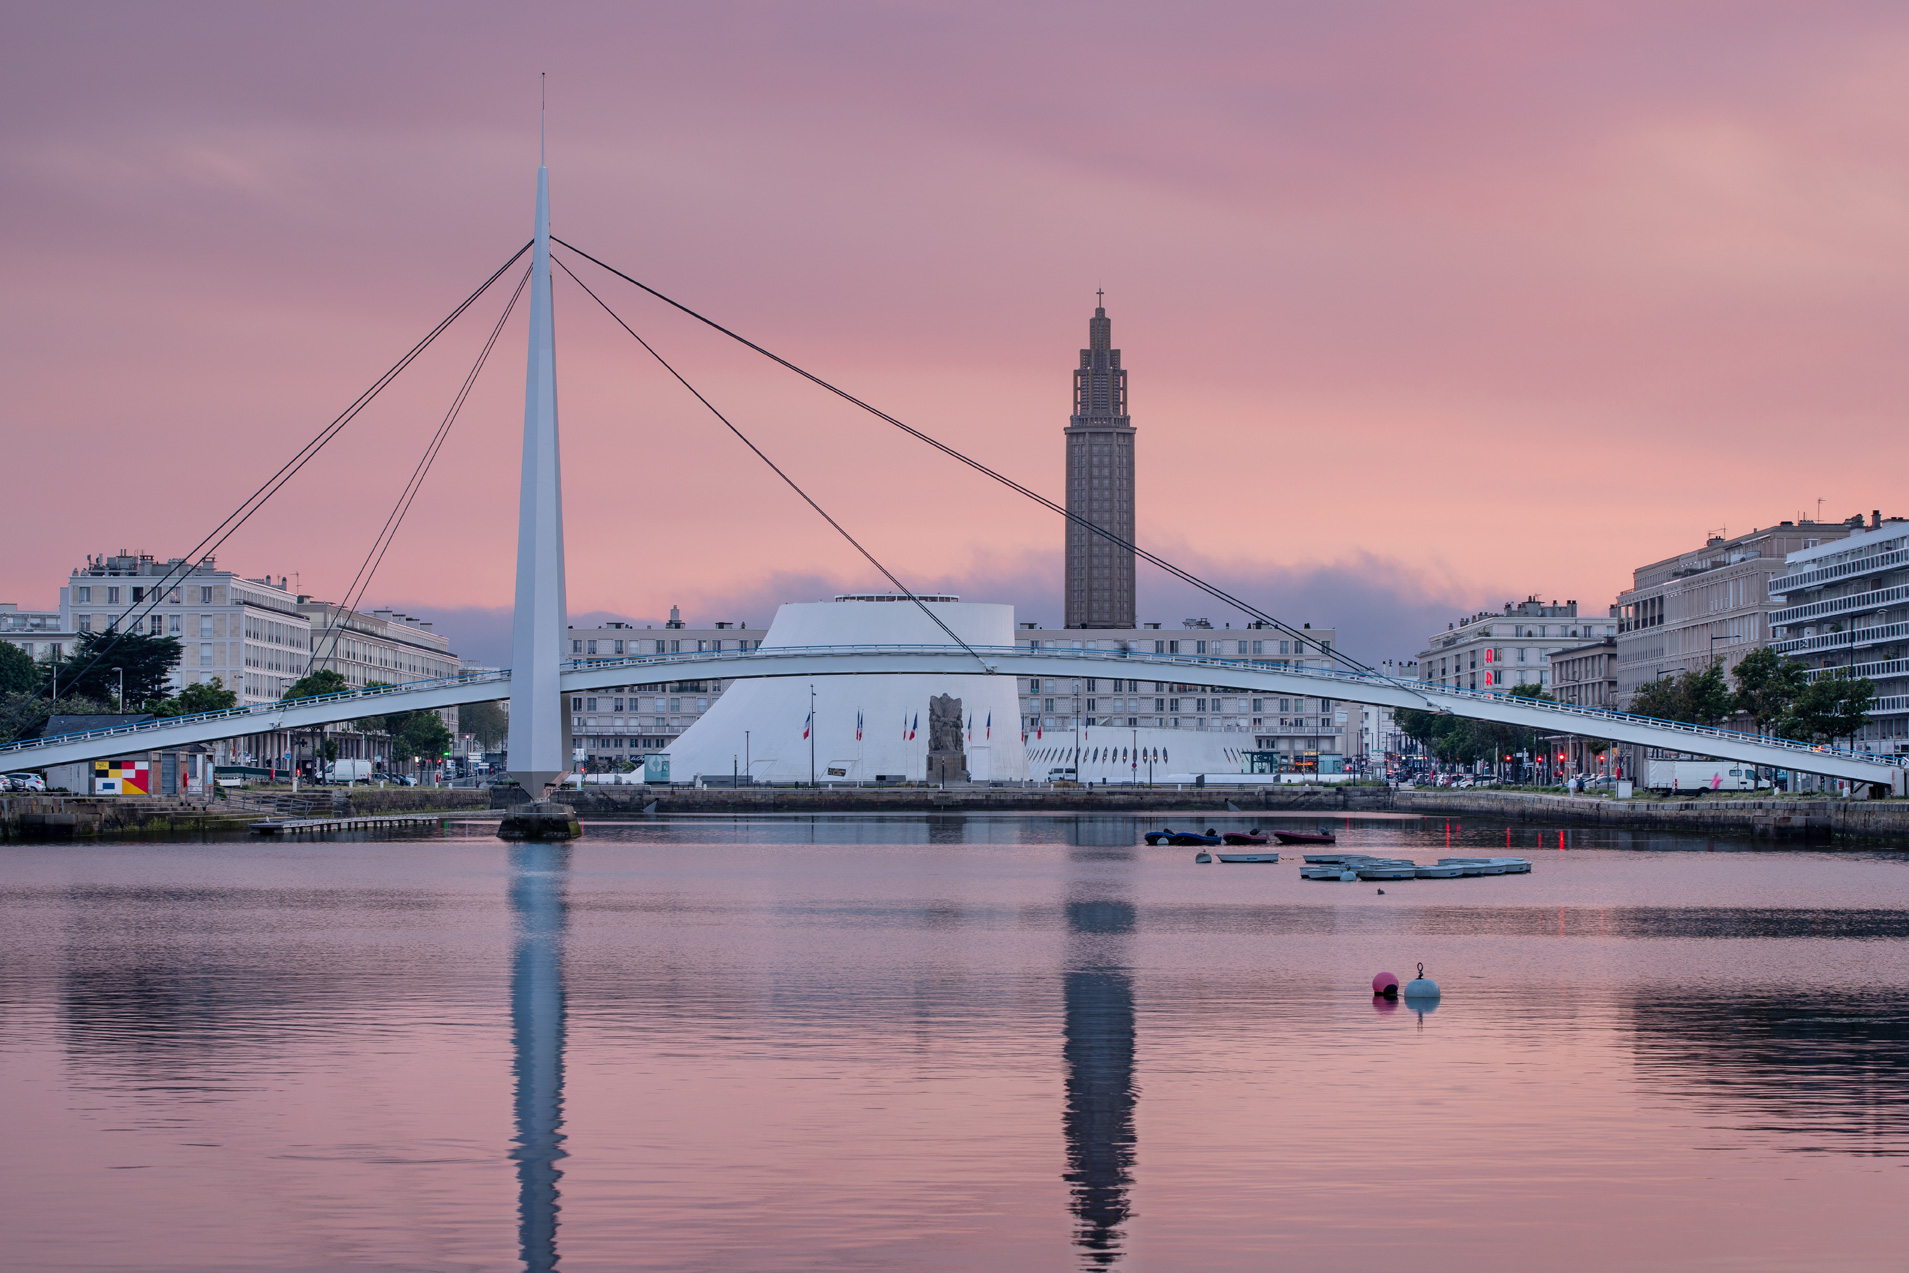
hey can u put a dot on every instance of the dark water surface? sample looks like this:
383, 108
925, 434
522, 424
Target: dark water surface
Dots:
947, 1043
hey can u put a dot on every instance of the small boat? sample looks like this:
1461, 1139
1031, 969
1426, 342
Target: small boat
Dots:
1475, 866
1384, 870
1305, 837
1514, 866
1443, 871
1247, 857
1203, 858
1244, 837
1336, 859
1328, 872
1166, 835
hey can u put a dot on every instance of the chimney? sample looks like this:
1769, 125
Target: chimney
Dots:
1875, 519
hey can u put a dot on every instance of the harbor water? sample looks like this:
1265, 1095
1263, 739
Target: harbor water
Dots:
945, 1042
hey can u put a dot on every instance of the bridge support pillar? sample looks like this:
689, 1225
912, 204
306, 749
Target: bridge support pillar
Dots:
540, 820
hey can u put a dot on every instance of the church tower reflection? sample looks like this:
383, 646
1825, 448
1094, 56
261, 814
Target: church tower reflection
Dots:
1099, 1051
537, 907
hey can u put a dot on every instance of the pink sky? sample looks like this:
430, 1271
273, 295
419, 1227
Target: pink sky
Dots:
1449, 304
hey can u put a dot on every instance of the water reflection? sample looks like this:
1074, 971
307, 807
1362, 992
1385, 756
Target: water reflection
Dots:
537, 904
1099, 1052
1822, 1070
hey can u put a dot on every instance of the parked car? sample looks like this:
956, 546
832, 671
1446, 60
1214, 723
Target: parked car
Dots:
25, 782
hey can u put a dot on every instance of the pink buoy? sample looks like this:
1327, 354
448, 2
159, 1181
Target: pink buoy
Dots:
1385, 984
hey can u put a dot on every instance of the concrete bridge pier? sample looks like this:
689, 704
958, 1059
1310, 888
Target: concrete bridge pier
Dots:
540, 820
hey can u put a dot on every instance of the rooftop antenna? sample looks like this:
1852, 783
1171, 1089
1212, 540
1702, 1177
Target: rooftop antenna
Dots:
1819, 508
543, 102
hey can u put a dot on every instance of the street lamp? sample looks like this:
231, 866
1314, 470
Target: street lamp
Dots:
122, 689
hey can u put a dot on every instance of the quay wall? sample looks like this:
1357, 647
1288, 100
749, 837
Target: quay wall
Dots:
1774, 819
609, 801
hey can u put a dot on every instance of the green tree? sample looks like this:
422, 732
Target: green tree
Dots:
211, 696
147, 661
312, 684
423, 734
1834, 705
1767, 683
1696, 698
18, 673
488, 723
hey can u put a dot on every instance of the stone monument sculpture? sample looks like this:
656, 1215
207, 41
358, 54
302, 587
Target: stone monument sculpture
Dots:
947, 761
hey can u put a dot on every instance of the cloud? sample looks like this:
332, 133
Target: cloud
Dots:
1380, 608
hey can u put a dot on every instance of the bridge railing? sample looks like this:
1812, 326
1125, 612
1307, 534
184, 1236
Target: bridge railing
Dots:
253, 713
1195, 662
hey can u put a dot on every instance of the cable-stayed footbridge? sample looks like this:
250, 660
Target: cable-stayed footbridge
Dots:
541, 677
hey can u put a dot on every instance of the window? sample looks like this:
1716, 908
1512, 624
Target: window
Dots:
589, 705
156, 624
205, 656
205, 596
676, 704
1199, 647
1034, 685
172, 597
576, 704
576, 647
1173, 647
205, 625
1092, 684
619, 647
1048, 706
590, 649
86, 623
619, 705
112, 596
1259, 704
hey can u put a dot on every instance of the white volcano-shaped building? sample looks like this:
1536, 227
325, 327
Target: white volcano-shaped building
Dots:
891, 714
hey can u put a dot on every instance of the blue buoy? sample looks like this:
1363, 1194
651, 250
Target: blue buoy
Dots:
1421, 986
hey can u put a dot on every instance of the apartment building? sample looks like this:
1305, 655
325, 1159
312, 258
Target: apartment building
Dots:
1291, 724
1712, 603
1501, 650
40, 633
1586, 675
1844, 603
628, 722
248, 633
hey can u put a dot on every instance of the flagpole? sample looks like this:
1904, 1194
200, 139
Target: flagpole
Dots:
811, 733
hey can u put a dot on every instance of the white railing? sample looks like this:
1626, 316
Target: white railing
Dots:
257, 715
1843, 640
1779, 585
1875, 599
1328, 683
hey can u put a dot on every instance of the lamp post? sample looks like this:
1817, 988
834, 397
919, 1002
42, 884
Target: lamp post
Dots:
122, 689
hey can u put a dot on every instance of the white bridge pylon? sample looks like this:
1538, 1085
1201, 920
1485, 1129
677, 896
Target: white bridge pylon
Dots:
866, 660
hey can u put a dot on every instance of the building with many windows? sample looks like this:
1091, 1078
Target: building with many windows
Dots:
247, 633
628, 722
1499, 651
41, 633
1685, 612
1291, 725
1844, 604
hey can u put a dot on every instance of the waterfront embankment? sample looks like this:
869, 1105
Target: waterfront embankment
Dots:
56, 816
1769, 818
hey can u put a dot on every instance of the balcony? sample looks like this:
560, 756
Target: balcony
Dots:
1779, 585
1855, 601
1852, 640
1887, 669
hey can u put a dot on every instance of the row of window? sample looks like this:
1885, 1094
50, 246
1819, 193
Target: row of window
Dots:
583, 703
114, 595
587, 648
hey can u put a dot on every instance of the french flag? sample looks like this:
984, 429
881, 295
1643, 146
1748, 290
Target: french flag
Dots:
858, 724
806, 723
912, 728
970, 726
989, 736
